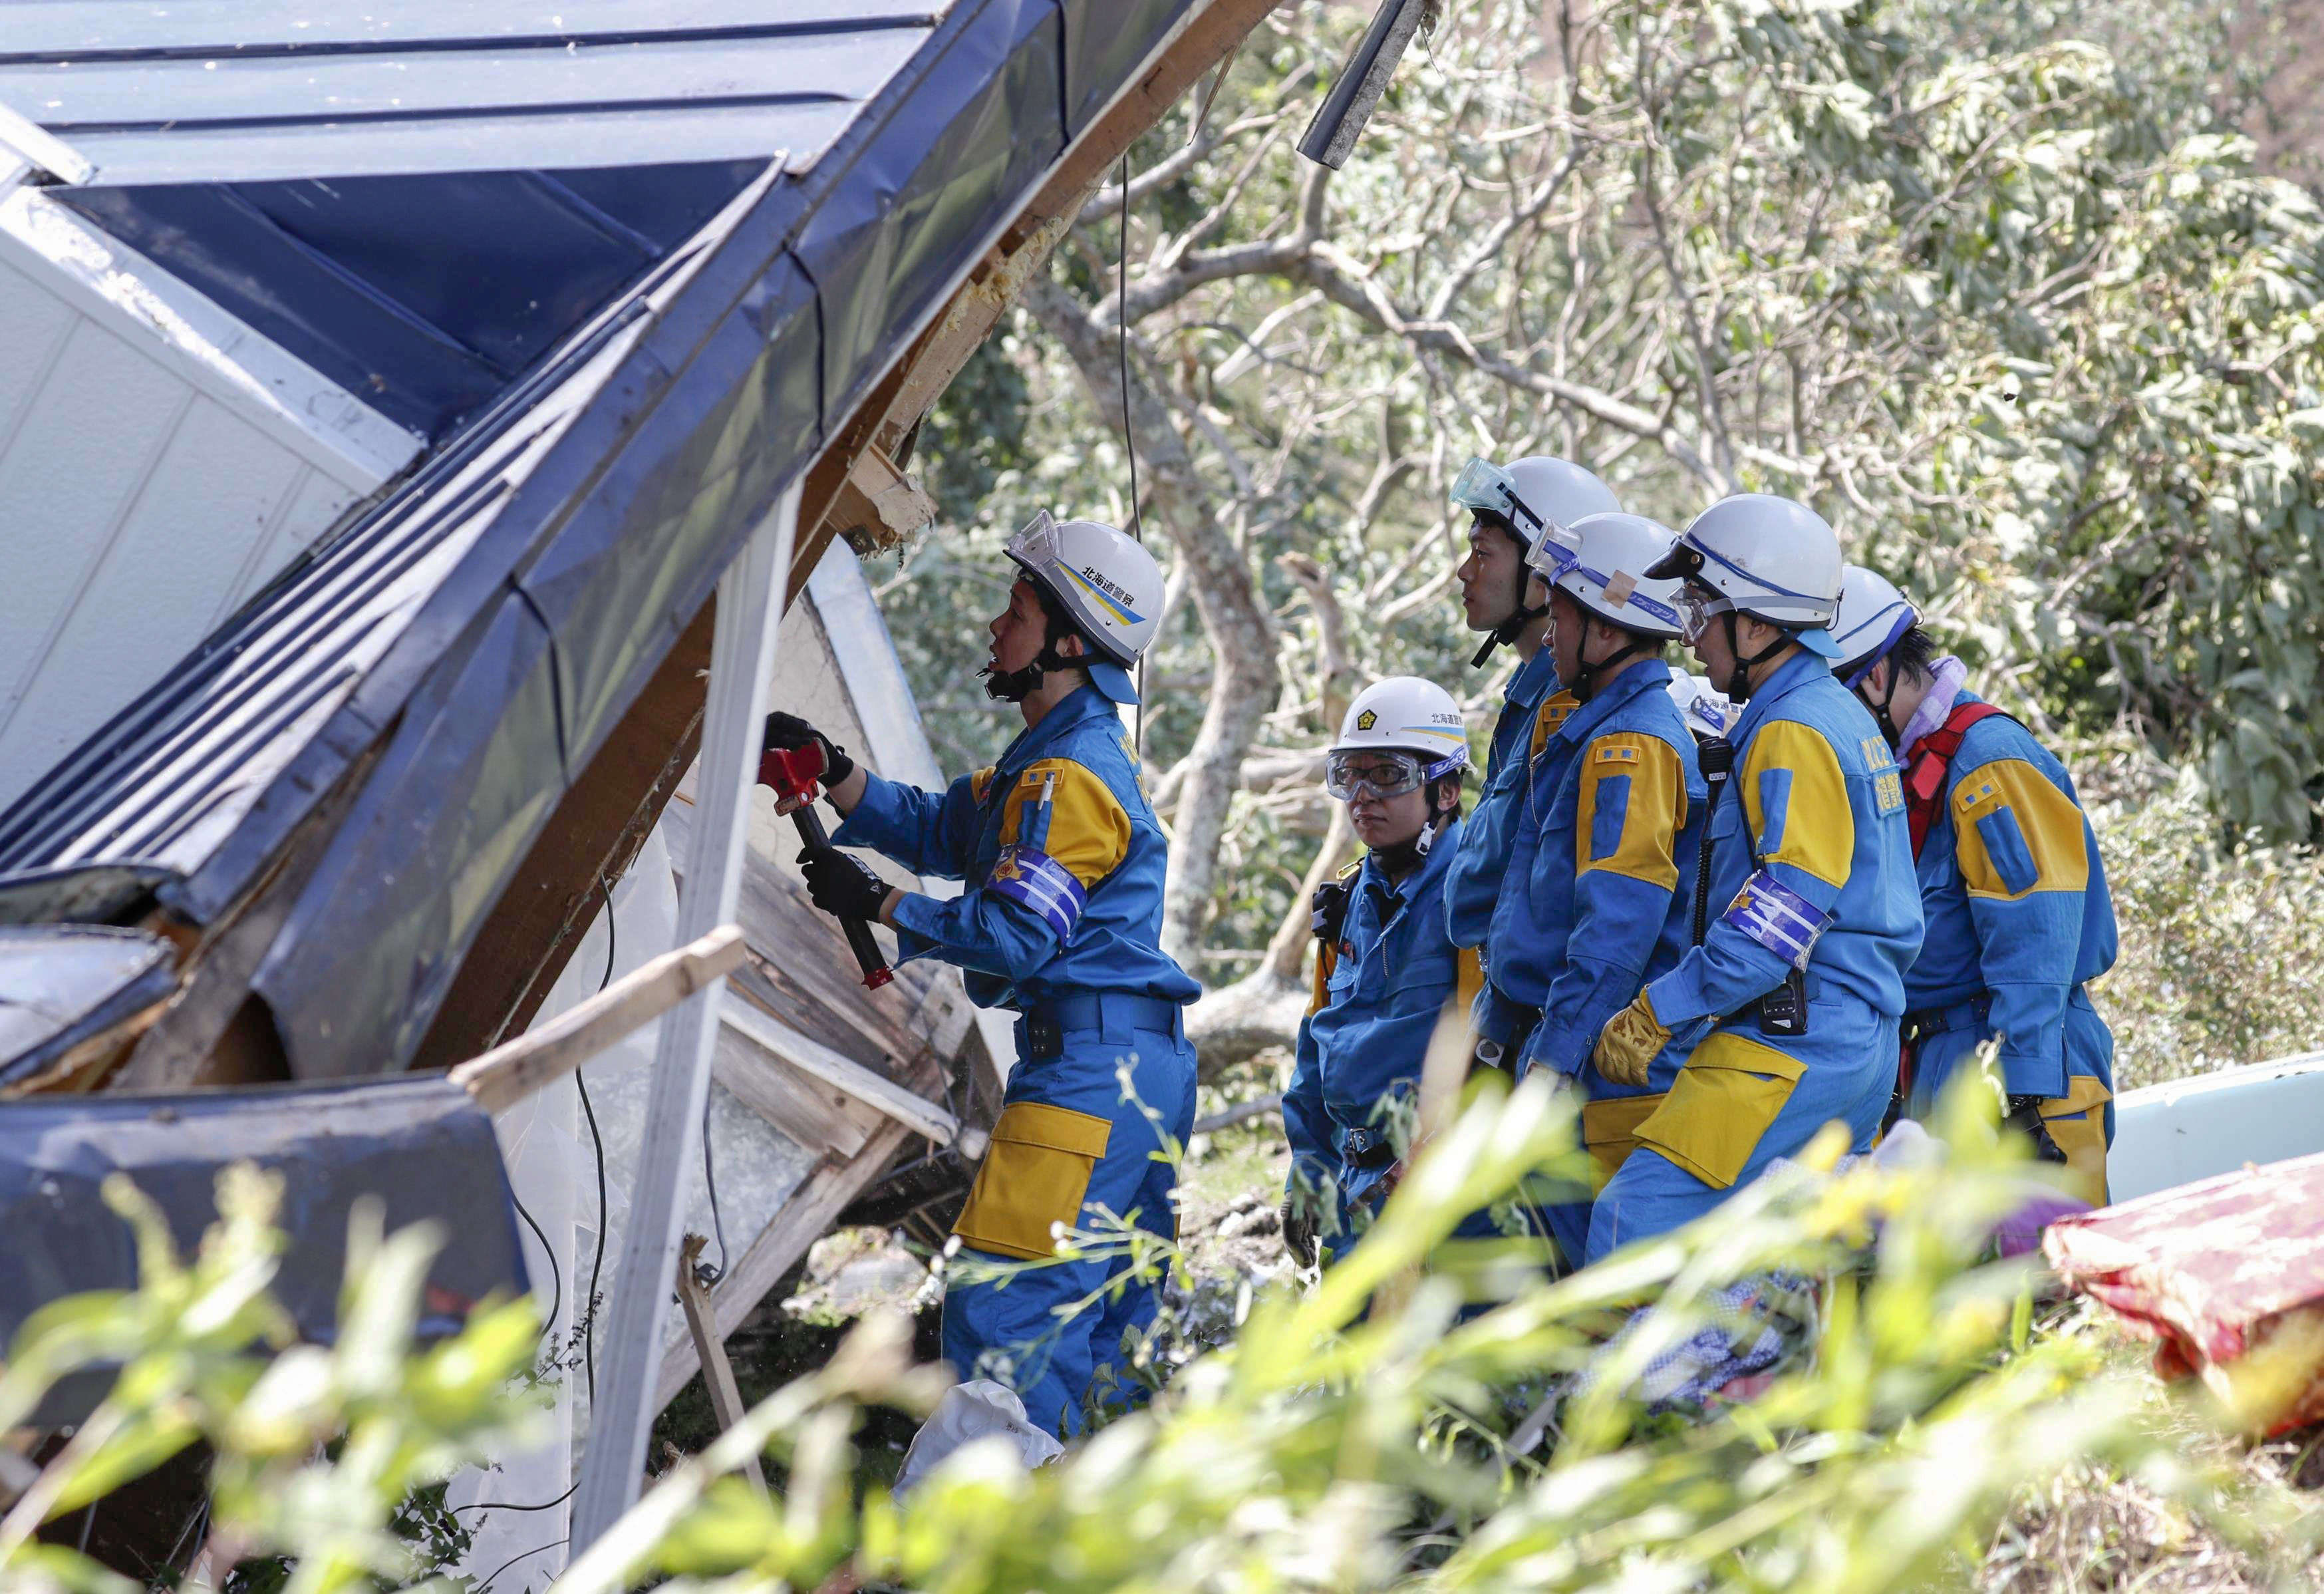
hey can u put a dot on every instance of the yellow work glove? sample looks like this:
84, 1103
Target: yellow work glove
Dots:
1628, 1044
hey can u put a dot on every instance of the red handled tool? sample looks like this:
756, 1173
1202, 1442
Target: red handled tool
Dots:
797, 772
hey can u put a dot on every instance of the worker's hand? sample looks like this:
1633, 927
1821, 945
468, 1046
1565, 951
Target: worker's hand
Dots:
2025, 1118
1629, 1044
788, 731
843, 886
1298, 1232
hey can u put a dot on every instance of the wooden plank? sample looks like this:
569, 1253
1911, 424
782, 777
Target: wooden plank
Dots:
741, 662
803, 1107
879, 506
709, 1350
923, 1117
509, 1073
820, 1200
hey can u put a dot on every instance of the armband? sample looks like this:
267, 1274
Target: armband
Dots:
1033, 879
1777, 917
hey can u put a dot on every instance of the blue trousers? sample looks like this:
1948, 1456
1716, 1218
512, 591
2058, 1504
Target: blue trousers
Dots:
2080, 1119
1070, 1148
1741, 1100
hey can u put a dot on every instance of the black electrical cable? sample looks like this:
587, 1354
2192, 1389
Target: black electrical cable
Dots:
556, 1275
484, 1586
598, 1141
1128, 443
710, 1179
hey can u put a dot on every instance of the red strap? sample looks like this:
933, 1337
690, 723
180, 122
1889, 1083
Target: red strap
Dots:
1932, 759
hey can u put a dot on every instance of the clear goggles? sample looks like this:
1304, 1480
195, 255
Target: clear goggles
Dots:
1485, 487
1035, 544
1696, 608
1370, 771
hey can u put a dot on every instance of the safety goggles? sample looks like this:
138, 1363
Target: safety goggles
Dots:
1695, 606
1488, 489
1035, 545
1558, 555
1370, 773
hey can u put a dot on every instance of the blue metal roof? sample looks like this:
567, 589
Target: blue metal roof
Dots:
486, 627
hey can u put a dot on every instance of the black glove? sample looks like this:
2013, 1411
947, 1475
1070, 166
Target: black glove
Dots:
788, 731
843, 886
1298, 1232
2025, 1118
1327, 913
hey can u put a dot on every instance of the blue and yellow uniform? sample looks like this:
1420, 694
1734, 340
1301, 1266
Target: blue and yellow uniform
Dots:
1810, 852
1063, 922
1498, 848
1362, 1044
2019, 919
1605, 903
1475, 882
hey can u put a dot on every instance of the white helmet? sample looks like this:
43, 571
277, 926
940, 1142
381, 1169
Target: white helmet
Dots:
1601, 560
1771, 557
1706, 712
1871, 618
1106, 581
1403, 714
1532, 493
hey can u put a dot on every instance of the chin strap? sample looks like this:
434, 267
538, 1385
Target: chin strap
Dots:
1738, 679
1014, 686
1588, 684
1506, 633
1410, 855
1880, 709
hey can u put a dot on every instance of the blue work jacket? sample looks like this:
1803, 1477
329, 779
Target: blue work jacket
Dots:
1063, 857
1475, 884
2016, 904
1811, 866
1362, 1048
1606, 900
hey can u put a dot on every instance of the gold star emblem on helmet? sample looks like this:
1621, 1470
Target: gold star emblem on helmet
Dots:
1366, 720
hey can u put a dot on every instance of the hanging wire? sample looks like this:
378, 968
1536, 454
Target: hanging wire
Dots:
1128, 443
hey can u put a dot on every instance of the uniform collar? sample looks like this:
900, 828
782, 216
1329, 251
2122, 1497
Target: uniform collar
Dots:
1083, 704
1432, 867
1645, 676
1534, 679
1798, 669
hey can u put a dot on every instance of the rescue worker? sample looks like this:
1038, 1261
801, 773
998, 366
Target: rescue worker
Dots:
1511, 509
2011, 887
1385, 967
1061, 921
1613, 801
1786, 1010
1703, 706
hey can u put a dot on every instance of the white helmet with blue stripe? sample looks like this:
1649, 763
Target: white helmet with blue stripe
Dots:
1773, 558
1531, 494
1601, 561
1703, 706
1106, 581
1872, 617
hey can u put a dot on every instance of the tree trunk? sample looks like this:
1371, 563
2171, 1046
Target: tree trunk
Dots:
1242, 635
1263, 1009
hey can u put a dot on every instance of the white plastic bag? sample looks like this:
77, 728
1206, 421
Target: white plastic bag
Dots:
979, 1411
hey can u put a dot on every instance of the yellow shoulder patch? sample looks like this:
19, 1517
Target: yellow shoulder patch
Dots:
1555, 710
2015, 832
1088, 828
981, 782
1633, 804
1795, 799
1351, 869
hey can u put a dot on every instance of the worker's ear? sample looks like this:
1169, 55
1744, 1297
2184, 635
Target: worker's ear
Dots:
1072, 646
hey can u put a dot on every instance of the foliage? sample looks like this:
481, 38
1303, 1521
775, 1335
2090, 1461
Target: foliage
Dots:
321, 1454
1370, 1433
2000, 289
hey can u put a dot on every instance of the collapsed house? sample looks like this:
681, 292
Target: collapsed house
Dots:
383, 401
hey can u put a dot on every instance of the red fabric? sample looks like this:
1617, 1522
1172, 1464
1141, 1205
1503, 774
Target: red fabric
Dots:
2210, 1269
1933, 757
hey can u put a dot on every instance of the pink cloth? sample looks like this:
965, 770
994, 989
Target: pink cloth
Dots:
2210, 1269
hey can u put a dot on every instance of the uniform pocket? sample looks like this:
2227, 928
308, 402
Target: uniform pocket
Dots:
2077, 1124
1033, 1178
1721, 1106
1610, 1132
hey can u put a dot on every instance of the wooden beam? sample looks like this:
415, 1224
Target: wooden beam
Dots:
921, 1116
709, 1349
509, 1073
879, 506
741, 660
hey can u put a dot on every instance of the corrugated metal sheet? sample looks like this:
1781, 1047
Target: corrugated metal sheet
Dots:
255, 90
560, 560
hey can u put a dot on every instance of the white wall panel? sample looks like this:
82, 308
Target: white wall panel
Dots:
159, 464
